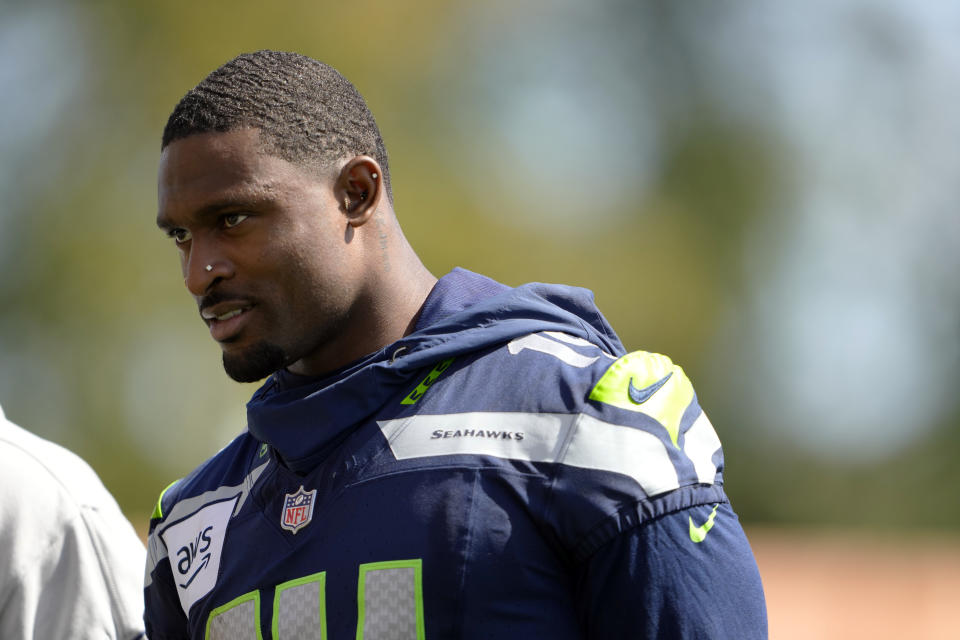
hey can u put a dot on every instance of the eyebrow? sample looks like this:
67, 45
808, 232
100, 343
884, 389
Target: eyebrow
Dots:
214, 208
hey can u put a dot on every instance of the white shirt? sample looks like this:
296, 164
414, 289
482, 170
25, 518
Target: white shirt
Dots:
71, 565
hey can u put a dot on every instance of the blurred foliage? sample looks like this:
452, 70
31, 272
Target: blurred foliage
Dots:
102, 351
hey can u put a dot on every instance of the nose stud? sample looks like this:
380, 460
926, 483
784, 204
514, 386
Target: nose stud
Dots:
209, 267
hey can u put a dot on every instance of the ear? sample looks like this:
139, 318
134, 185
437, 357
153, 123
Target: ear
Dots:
358, 189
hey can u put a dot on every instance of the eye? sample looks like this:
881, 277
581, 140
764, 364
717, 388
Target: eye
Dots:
179, 235
233, 219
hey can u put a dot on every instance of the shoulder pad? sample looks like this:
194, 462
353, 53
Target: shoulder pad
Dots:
647, 383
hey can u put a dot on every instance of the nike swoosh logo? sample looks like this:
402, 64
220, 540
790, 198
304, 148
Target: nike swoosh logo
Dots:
639, 396
203, 563
699, 534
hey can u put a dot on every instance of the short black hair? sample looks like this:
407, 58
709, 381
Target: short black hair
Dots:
306, 111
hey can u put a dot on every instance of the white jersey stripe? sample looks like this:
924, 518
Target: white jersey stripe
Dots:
609, 447
576, 440
518, 436
536, 342
700, 443
580, 342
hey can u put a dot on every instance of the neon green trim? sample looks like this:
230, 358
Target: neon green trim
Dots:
316, 577
158, 510
422, 388
699, 534
263, 449
642, 369
416, 565
252, 595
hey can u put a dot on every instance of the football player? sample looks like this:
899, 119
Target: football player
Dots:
427, 458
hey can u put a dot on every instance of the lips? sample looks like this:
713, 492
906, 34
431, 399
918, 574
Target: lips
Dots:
226, 319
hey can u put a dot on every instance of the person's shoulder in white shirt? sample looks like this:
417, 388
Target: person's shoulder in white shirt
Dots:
72, 564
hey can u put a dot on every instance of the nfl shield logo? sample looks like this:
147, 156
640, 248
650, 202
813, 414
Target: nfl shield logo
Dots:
297, 510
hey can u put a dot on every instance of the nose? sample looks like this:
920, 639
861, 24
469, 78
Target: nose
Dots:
202, 269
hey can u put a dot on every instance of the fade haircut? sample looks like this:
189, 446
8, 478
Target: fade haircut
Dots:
307, 113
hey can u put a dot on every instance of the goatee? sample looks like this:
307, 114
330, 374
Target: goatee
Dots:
255, 363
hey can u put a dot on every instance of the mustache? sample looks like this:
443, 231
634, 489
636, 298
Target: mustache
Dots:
217, 296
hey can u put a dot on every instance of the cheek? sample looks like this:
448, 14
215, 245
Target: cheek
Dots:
312, 261
292, 272
317, 256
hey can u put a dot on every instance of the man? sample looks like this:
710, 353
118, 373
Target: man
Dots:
69, 560
440, 459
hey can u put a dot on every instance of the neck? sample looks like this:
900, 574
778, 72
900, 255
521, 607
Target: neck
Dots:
400, 289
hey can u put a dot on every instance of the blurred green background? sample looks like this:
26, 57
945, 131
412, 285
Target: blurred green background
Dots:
766, 192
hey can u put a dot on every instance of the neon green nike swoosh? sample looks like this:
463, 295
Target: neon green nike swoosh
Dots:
699, 534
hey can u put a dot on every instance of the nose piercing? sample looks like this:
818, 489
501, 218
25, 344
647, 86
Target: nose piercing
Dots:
209, 267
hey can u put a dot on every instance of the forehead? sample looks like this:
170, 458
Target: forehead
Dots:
205, 169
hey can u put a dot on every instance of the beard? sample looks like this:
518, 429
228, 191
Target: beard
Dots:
255, 363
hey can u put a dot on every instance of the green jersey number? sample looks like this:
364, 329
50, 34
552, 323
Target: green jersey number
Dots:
389, 605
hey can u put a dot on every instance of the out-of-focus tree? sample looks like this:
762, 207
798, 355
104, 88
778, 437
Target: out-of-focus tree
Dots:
760, 192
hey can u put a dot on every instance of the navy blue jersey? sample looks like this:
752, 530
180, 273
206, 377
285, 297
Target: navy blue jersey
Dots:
504, 471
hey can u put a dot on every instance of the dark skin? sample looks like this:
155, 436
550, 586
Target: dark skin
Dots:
308, 267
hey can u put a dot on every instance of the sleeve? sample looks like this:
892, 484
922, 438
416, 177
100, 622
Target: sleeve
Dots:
83, 584
163, 616
659, 551
71, 567
115, 555
686, 574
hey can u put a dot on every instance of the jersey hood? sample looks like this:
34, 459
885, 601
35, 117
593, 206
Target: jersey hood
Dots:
301, 418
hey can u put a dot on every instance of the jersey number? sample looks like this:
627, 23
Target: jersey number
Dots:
389, 605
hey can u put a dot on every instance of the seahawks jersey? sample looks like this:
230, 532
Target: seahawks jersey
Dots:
504, 471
